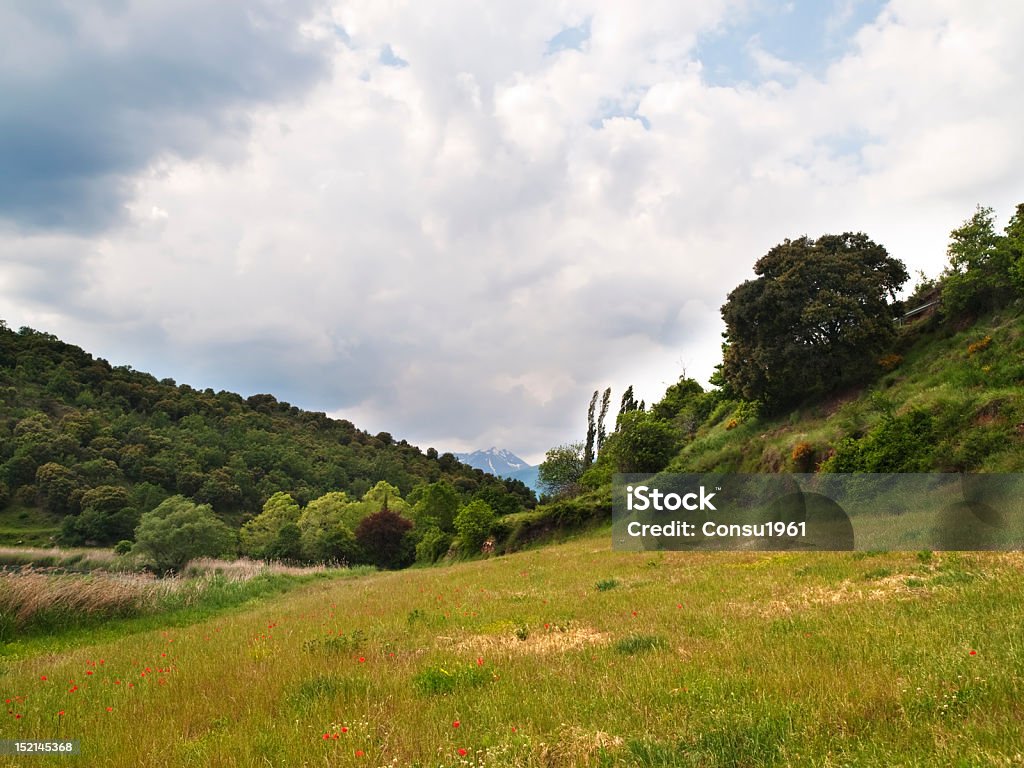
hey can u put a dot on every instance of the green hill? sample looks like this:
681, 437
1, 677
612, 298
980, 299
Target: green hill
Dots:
71, 424
951, 400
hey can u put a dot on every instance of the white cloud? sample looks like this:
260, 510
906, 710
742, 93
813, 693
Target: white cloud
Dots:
459, 251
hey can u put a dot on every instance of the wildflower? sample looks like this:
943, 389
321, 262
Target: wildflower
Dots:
462, 752
43, 678
359, 753
327, 736
974, 652
362, 659
456, 724
480, 661
344, 729
110, 709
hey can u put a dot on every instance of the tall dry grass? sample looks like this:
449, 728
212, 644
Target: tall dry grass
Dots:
27, 593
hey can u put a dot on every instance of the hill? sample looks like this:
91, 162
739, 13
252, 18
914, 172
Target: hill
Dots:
948, 397
71, 424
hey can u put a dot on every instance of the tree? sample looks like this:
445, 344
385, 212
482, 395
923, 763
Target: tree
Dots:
107, 517
322, 530
437, 506
1014, 245
819, 315
627, 404
977, 278
179, 530
473, 524
642, 443
601, 434
383, 537
561, 469
261, 536
588, 451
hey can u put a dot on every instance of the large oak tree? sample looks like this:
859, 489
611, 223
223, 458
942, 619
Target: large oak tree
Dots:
818, 316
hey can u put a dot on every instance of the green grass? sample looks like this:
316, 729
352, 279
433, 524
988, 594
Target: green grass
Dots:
27, 527
694, 659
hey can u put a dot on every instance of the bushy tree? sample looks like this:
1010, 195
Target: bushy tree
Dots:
473, 524
261, 536
642, 443
978, 276
59, 488
818, 315
1014, 245
384, 539
107, 517
437, 506
179, 530
563, 466
319, 526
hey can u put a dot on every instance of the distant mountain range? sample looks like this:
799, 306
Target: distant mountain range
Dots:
502, 463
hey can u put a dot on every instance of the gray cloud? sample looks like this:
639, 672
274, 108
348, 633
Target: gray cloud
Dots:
459, 251
95, 92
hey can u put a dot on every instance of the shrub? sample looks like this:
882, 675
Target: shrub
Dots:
889, 362
802, 456
979, 346
898, 444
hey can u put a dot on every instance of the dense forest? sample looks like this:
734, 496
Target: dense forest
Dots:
92, 447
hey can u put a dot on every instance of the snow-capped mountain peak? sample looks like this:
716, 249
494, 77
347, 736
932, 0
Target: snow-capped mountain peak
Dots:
501, 463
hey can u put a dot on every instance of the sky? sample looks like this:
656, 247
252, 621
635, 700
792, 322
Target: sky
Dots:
453, 221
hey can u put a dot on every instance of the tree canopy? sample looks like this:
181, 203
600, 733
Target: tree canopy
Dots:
818, 315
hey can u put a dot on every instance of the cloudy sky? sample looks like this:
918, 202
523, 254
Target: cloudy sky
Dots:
454, 221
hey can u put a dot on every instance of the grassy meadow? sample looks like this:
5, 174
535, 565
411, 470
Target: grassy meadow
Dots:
569, 655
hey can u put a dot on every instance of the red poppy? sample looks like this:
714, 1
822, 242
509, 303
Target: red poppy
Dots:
110, 709
61, 713
344, 729
462, 752
327, 736
480, 661
456, 724
362, 659
43, 678
974, 653
359, 753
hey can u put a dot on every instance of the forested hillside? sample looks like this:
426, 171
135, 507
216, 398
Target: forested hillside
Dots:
79, 436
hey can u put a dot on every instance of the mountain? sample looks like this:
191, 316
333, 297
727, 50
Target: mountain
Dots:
501, 463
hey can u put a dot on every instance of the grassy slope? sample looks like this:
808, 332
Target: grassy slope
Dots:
681, 659
977, 399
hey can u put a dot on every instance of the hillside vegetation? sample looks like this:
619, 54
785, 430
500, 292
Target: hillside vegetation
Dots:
824, 371
87, 449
